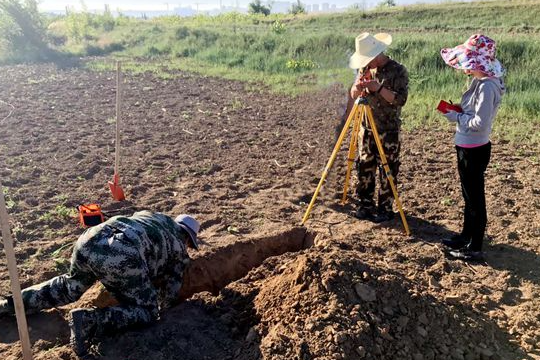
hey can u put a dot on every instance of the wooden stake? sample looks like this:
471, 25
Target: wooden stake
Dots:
14, 277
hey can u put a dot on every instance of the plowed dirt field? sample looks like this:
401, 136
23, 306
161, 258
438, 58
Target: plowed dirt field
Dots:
245, 162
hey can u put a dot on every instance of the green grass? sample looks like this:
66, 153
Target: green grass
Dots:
59, 213
10, 203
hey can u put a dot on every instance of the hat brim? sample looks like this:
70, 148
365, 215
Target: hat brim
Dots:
359, 61
192, 235
494, 69
384, 38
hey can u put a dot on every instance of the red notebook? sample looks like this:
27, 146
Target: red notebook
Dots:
445, 107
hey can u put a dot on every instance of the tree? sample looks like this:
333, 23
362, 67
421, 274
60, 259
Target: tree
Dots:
386, 3
24, 29
256, 7
297, 8
107, 19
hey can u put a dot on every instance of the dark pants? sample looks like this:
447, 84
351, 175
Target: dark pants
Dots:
368, 161
112, 260
472, 164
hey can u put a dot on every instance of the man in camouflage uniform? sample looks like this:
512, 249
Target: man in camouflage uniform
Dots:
139, 259
386, 93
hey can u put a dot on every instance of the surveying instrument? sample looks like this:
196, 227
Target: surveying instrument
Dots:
360, 112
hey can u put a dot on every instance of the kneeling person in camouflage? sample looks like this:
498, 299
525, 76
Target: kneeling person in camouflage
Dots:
139, 259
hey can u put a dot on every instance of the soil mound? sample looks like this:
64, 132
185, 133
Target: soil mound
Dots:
331, 303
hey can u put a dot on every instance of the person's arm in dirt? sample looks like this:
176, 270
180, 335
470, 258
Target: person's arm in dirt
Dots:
172, 281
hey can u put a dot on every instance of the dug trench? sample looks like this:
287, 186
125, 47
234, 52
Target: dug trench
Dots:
208, 273
218, 266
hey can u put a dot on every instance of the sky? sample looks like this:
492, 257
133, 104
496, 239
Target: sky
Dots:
147, 5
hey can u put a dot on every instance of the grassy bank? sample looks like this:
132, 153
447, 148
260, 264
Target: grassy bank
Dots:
295, 54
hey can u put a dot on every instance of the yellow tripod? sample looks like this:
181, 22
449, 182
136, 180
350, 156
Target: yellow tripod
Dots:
360, 111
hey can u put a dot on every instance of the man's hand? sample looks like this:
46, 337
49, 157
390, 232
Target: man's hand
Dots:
371, 85
355, 92
359, 86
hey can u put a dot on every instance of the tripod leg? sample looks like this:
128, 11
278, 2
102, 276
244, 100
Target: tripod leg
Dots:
386, 168
331, 160
352, 152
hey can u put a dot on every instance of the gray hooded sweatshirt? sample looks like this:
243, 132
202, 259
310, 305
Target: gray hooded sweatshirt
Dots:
480, 104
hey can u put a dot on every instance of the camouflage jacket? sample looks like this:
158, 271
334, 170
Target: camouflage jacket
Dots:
149, 240
394, 77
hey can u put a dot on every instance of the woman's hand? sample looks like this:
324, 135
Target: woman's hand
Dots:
452, 116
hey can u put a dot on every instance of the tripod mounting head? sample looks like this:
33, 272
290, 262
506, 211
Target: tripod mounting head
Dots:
361, 100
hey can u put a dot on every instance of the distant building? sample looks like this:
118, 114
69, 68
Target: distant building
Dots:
325, 7
315, 7
281, 7
184, 11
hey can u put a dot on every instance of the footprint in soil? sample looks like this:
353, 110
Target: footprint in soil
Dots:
49, 327
206, 224
31, 202
512, 297
21, 181
165, 205
141, 189
93, 170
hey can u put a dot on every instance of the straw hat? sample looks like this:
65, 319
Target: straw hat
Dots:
367, 48
477, 53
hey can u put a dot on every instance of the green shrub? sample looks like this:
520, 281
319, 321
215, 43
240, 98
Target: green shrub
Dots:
278, 27
156, 50
300, 65
106, 20
181, 33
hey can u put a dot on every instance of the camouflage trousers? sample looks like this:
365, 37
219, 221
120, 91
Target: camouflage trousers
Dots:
367, 163
123, 274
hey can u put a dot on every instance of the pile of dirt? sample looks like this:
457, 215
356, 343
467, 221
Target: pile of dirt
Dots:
331, 302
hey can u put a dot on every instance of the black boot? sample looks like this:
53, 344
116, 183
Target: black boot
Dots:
83, 326
467, 254
364, 213
383, 215
457, 241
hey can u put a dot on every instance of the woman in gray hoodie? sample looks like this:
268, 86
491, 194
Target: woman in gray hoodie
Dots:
479, 104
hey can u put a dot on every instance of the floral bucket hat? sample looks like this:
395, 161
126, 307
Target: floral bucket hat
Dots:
477, 53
